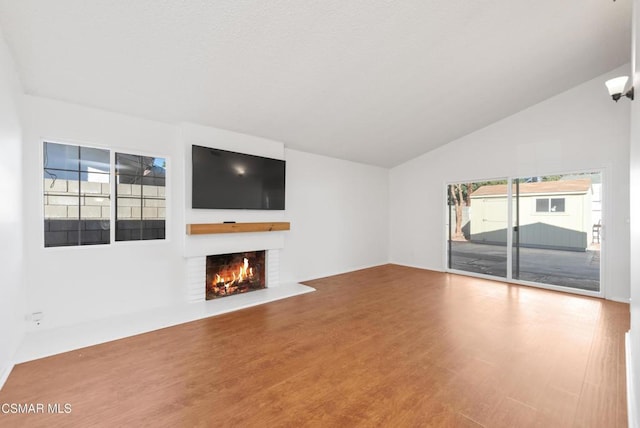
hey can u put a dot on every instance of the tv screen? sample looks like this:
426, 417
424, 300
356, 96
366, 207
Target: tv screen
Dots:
230, 180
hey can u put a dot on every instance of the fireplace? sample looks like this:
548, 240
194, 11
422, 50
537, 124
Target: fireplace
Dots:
229, 274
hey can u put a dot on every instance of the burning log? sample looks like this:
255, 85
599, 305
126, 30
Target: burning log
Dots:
233, 278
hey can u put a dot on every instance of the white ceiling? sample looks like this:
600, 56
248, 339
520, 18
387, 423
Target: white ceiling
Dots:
374, 81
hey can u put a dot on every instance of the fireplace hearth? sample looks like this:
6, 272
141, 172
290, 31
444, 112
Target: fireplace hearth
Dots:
229, 274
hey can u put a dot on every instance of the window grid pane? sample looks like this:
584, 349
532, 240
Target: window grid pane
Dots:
542, 205
557, 205
140, 200
76, 195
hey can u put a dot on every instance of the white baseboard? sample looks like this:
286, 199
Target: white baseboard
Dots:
618, 299
632, 407
435, 269
49, 342
341, 271
4, 374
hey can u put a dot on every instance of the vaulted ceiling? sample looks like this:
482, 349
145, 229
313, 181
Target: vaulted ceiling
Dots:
374, 81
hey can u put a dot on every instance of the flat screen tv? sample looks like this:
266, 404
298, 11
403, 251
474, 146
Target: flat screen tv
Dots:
230, 180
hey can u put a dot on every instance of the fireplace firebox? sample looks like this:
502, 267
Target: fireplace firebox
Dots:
229, 274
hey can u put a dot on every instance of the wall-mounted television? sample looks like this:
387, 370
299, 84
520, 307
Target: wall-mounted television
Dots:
230, 180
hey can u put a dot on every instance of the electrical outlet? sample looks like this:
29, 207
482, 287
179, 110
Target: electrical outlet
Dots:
36, 317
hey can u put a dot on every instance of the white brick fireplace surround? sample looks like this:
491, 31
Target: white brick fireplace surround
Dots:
197, 270
198, 247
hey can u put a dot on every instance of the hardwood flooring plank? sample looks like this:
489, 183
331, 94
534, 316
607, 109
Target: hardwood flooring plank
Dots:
385, 346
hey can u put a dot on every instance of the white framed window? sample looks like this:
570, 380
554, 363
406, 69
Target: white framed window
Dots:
550, 205
77, 189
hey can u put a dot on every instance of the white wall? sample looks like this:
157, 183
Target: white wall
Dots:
581, 129
338, 211
197, 247
339, 216
191, 134
634, 196
75, 284
11, 255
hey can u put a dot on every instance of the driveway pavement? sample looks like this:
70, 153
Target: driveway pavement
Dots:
566, 268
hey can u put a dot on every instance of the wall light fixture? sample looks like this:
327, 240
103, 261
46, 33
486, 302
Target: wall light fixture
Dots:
616, 88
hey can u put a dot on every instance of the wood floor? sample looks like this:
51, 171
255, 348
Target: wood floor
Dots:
389, 346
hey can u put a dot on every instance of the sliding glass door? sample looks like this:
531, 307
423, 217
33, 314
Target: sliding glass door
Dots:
477, 233
537, 230
557, 228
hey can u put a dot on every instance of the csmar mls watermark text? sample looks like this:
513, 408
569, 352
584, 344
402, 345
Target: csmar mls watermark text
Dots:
35, 408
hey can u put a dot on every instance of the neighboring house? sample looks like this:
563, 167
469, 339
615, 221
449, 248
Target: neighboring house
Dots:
552, 214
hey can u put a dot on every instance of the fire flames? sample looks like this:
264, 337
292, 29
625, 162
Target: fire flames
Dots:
229, 281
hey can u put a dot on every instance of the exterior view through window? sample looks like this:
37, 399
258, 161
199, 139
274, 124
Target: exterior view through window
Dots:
77, 196
140, 197
554, 237
478, 244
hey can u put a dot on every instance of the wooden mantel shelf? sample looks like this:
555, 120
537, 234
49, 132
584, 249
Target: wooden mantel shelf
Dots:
209, 228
